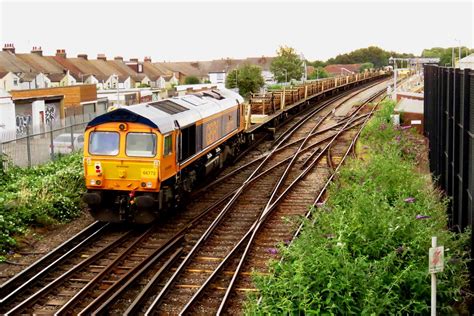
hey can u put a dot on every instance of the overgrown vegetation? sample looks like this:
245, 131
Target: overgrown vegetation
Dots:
38, 196
365, 251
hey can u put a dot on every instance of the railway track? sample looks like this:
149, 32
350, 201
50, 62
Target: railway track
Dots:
182, 258
226, 287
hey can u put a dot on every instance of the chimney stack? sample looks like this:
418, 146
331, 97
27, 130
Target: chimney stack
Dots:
134, 60
101, 57
37, 50
9, 48
148, 59
61, 53
119, 58
83, 56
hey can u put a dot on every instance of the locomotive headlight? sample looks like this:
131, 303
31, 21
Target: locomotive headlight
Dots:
148, 184
92, 182
123, 127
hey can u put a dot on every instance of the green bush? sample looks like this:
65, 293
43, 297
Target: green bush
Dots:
42, 195
365, 251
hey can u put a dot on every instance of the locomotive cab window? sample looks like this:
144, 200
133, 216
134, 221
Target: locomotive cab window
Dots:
141, 145
104, 143
167, 145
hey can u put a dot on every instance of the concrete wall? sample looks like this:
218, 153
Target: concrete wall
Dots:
7, 115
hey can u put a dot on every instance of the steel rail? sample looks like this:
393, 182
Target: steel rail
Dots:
96, 280
237, 193
98, 304
136, 304
30, 300
267, 211
329, 180
253, 228
222, 178
50, 267
28, 275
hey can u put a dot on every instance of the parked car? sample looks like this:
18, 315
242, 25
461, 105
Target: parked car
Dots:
62, 143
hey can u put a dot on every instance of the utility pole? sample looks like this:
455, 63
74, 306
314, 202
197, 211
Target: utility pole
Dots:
452, 57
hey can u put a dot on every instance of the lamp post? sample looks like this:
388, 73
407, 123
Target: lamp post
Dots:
286, 75
459, 43
305, 74
117, 83
393, 61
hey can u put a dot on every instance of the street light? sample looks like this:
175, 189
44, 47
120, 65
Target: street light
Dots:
459, 42
117, 83
286, 75
393, 61
305, 74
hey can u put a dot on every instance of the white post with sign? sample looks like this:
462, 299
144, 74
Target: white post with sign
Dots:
436, 264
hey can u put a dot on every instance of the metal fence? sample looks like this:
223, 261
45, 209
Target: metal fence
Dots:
34, 145
449, 126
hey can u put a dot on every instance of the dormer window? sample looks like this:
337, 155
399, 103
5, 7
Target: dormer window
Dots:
140, 68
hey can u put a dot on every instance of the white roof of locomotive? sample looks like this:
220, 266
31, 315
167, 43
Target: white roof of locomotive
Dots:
198, 107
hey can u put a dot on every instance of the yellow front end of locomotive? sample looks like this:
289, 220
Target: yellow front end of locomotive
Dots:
121, 174
122, 157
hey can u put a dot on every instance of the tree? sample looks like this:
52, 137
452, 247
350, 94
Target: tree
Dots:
318, 73
445, 54
247, 78
373, 54
231, 79
316, 63
365, 66
191, 80
287, 65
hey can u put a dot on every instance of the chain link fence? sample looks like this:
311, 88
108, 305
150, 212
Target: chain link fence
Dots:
34, 145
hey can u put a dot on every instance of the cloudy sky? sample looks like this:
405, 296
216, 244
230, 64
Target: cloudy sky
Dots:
198, 30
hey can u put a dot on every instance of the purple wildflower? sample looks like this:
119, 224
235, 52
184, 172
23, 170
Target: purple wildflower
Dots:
419, 216
320, 204
406, 127
287, 242
272, 251
383, 126
398, 138
410, 200
11, 252
400, 250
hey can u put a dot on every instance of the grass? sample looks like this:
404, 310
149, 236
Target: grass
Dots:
365, 251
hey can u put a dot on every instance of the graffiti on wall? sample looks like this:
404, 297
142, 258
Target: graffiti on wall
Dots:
22, 123
50, 114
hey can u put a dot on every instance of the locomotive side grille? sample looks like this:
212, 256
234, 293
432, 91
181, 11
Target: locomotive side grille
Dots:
168, 106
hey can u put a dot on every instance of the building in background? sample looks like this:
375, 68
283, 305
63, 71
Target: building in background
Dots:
467, 62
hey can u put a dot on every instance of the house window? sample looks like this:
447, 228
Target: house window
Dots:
15, 82
140, 68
